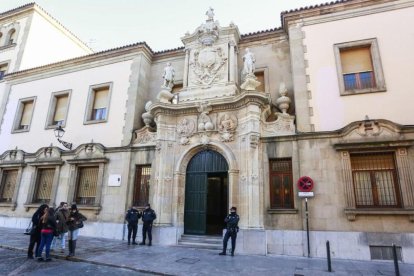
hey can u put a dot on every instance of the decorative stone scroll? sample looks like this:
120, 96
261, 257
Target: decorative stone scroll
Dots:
144, 136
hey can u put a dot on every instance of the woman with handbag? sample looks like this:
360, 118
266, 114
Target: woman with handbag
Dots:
48, 225
35, 232
75, 222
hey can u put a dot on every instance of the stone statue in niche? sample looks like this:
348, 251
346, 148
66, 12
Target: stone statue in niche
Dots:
169, 74
249, 63
250, 82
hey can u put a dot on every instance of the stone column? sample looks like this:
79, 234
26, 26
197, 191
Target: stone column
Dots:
232, 62
186, 64
163, 176
251, 185
406, 178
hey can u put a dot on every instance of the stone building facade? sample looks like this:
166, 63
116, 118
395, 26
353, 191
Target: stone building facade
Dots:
237, 120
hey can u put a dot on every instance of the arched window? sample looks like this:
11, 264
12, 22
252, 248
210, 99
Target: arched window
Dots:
11, 37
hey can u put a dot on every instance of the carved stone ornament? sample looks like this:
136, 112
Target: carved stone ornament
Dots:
48, 153
165, 96
185, 129
12, 156
206, 65
144, 136
254, 140
283, 125
227, 124
283, 102
90, 150
146, 116
369, 128
204, 121
208, 32
250, 83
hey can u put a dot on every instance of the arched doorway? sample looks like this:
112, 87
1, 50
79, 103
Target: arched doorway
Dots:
206, 194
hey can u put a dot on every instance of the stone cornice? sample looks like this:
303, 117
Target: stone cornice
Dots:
277, 33
84, 62
339, 133
237, 102
331, 10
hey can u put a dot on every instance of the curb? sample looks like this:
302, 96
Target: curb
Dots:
77, 259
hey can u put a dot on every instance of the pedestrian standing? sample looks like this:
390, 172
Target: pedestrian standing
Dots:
75, 222
48, 225
35, 233
232, 221
62, 216
148, 217
132, 217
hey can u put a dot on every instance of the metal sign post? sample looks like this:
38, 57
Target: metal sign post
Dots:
305, 185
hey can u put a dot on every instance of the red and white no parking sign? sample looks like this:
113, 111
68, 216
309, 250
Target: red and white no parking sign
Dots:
305, 184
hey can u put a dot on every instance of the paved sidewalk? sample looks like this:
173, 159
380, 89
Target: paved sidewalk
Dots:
173, 260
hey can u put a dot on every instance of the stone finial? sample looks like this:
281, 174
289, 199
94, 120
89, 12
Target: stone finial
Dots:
283, 102
146, 116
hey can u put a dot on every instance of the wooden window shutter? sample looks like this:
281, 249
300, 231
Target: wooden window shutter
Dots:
60, 110
100, 98
356, 60
26, 113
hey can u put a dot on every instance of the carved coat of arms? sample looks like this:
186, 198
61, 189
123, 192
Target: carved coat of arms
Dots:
206, 65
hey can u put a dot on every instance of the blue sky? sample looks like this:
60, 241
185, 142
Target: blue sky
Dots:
105, 24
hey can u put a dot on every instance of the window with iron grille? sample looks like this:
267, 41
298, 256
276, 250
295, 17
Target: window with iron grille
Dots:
281, 184
384, 252
87, 181
44, 182
142, 185
375, 181
8, 184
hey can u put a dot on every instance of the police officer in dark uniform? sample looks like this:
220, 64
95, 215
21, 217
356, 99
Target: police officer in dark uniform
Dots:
132, 217
232, 228
148, 216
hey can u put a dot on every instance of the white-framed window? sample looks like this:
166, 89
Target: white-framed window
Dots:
359, 67
24, 114
58, 109
97, 109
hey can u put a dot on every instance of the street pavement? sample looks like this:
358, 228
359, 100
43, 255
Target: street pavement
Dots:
14, 262
174, 260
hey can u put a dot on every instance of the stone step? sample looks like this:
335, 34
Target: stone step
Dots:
201, 242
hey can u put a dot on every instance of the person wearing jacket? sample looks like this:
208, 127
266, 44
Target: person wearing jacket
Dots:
75, 222
232, 221
148, 216
35, 233
62, 216
48, 226
132, 217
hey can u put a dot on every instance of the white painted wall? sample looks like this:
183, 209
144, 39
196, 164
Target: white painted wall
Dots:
109, 133
395, 37
47, 42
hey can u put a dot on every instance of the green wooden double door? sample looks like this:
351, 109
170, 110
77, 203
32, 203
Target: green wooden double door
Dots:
206, 194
